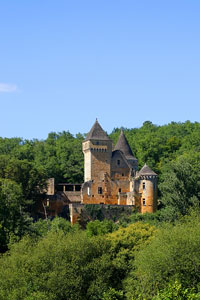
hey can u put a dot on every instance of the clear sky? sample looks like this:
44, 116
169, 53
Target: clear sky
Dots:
65, 62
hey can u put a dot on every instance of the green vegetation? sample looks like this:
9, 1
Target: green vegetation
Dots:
150, 256
172, 258
139, 261
70, 265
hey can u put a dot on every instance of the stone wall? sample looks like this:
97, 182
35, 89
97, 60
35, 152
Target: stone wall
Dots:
119, 167
83, 213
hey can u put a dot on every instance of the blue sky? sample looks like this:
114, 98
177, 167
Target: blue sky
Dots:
64, 63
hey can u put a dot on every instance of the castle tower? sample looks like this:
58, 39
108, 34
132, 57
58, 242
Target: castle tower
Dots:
147, 190
97, 149
123, 146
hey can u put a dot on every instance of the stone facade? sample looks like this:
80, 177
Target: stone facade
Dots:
111, 175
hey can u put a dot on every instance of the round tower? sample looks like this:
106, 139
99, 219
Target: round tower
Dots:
147, 190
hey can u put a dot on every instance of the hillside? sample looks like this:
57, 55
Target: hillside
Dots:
121, 268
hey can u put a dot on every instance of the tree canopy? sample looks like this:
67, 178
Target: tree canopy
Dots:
139, 257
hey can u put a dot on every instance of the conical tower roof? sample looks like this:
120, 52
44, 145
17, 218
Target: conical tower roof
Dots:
123, 146
146, 171
97, 133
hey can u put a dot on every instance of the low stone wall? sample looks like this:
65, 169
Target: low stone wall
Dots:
84, 213
73, 196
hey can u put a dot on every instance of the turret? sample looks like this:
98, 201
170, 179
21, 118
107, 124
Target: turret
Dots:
147, 190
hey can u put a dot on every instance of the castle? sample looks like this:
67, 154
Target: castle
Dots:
111, 177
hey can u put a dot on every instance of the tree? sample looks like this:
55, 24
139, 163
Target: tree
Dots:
125, 243
57, 267
180, 183
97, 227
13, 219
172, 257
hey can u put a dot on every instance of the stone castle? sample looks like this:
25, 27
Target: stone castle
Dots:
111, 177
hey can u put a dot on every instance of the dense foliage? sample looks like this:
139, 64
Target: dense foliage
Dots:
70, 265
140, 261
139, 257
24, 168
170, 262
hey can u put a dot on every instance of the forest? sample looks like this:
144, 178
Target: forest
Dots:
139, 257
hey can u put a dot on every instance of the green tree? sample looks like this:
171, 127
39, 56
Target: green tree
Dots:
13, 218
180, 183
58, 266
172, 256
100, 227
125, 243
175, 291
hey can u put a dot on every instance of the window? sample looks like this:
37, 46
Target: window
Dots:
122, 174
118, 162
88, 191
120, 190
143, 185
154, 185
100, 190
143, 201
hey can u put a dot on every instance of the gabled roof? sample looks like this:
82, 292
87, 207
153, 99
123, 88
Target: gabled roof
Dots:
146, 171
97, 133
122, 155
123, 146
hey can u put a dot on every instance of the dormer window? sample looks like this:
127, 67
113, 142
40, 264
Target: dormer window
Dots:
118, 162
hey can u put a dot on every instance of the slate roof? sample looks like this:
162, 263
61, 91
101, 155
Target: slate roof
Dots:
123, 156
146, 171
123, 146
97, 133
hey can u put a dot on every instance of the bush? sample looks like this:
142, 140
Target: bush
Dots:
42, 227
100, 228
